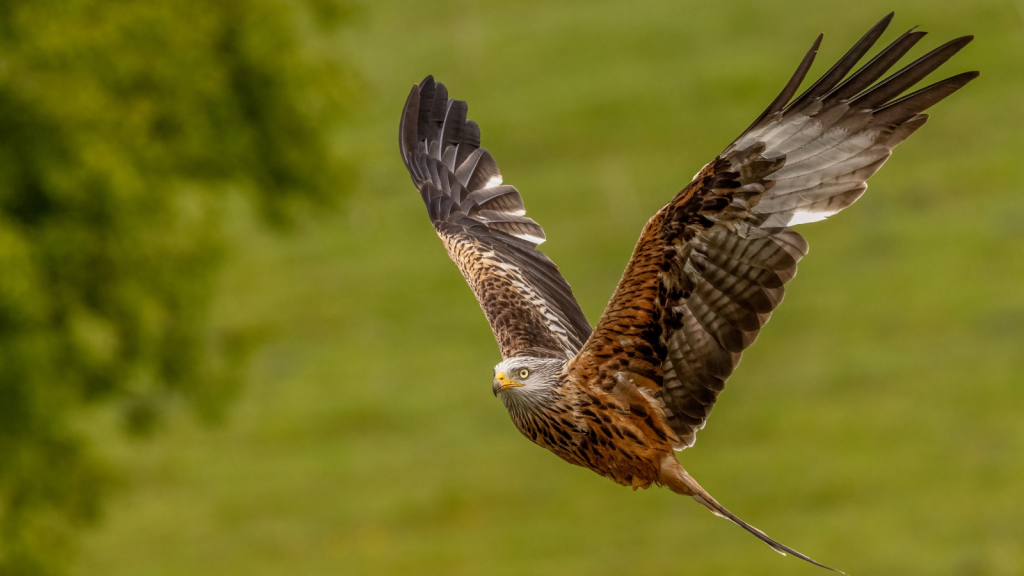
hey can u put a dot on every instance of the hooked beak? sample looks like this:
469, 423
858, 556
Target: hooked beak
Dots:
501, 383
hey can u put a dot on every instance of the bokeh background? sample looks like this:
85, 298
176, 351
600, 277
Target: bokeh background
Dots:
230, 342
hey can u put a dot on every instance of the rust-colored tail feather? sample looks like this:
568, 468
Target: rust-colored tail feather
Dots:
679, 481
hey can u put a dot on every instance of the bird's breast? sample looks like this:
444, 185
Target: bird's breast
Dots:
596, 433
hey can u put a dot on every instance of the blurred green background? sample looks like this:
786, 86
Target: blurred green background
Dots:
877, 425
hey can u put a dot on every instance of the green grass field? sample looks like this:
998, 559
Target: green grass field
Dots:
877, 425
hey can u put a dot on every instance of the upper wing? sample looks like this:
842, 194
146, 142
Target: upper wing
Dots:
529, 305
709, 267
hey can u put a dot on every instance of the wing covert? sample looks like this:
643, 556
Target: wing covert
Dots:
710, 267
483, 224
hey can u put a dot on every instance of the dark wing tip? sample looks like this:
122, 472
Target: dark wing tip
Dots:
791, 87
912, 104
407, 126
910, 75
956, 44
846, 63
410, 127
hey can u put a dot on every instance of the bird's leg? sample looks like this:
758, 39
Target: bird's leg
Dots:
639, 482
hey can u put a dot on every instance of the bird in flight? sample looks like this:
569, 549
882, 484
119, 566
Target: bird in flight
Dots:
708, 270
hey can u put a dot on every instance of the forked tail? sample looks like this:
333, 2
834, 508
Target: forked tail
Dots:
679, 481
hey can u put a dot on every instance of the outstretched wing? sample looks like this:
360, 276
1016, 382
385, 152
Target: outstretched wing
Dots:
709, 267
482, 223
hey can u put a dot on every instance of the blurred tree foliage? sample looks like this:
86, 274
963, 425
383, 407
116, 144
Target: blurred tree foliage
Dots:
123, 126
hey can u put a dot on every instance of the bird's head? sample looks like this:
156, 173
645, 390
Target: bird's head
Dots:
523, 376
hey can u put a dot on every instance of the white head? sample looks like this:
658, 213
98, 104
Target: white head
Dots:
526, 380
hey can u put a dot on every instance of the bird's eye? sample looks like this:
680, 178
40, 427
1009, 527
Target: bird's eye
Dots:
523, 373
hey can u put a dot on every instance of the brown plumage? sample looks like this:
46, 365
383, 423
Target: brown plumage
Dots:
706, 274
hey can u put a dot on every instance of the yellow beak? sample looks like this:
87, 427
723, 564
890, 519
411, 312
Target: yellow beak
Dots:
502, 383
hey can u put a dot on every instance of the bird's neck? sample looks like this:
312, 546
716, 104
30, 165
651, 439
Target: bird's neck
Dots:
531, 400
545, 416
